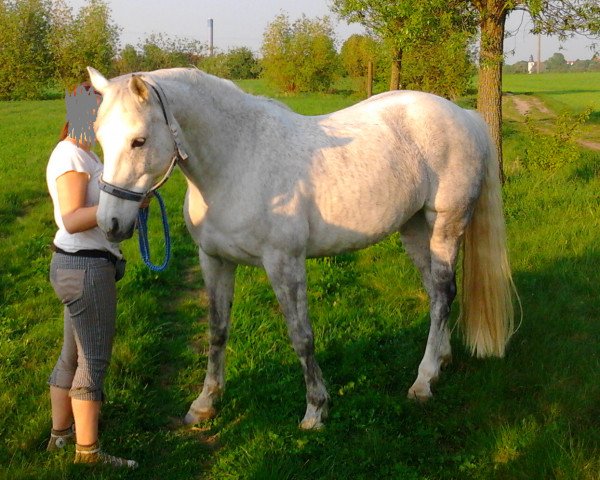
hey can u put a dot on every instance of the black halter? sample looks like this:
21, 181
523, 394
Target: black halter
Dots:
180, 153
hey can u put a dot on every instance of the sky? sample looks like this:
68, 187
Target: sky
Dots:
241, 23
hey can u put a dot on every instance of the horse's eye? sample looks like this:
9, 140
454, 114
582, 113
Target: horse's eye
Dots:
138, 142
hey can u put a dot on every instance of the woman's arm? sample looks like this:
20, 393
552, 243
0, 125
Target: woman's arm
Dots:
72, 189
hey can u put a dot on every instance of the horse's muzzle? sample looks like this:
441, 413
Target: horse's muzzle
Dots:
116, 234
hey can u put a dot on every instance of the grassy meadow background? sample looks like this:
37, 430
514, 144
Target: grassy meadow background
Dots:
533, 415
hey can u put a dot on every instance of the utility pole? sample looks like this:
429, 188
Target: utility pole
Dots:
210, 36
539, 52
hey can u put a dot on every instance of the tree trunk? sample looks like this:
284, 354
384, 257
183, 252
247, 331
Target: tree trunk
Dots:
396, 70
491, 55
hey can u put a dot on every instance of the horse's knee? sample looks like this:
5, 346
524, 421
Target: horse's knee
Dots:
218, 336
444, 291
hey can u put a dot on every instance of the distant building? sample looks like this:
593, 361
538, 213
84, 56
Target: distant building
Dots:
530, 64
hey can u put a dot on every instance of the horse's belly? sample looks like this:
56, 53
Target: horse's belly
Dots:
356, 208
351, 227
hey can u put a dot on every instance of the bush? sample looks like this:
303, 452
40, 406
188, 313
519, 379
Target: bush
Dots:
299, 57
356, 54
241, 64
545, 151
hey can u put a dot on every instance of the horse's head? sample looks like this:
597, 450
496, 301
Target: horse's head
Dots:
137, 145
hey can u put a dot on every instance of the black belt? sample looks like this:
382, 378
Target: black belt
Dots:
86, 253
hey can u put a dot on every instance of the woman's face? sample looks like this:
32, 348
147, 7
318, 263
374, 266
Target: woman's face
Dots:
82, 108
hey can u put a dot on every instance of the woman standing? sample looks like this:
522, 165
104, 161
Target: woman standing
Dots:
82, 273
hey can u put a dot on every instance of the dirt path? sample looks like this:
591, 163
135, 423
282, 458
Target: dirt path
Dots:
526, 104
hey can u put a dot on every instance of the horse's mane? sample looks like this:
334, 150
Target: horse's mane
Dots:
202, 79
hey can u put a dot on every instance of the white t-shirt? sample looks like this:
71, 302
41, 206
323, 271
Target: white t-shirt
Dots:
67, 157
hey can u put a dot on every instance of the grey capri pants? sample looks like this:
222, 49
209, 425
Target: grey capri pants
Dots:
87, 288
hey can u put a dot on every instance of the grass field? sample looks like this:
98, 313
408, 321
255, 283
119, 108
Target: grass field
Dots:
575, 91
533, 415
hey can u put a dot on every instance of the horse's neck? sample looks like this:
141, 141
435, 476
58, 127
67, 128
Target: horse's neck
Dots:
206, 104
211, 114
219, 124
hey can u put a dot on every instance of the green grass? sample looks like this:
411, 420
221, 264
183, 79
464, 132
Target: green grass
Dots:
573, 92
533, 415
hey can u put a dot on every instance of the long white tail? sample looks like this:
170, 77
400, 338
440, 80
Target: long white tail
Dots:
487, 313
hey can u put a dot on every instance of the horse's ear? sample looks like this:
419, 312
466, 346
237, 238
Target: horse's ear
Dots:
97, 79
139, 88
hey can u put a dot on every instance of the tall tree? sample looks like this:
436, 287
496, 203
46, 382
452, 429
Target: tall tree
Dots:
407, 18
25, 59
405, 24
558, 17
89, 38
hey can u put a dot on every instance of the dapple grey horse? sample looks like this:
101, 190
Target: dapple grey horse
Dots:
270, 188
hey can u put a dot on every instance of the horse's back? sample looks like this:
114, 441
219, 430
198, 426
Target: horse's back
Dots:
332, 183
389, 157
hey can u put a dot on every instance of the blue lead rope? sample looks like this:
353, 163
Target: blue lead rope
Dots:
143, 236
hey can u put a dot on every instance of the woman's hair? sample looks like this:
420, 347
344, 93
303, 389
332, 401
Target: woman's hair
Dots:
82, 107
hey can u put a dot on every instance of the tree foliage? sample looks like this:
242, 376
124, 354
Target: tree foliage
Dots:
558, 17
443, 68
88, 38
557, 63
427, 63
43, 44
241, 63
299, 56
356, 53
25, 57
237, 63
163, 51
409, 25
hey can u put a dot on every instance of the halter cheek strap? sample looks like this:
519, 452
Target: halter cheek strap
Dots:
180, 153
120, 192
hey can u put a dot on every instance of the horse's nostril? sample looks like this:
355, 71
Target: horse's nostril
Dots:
114, 225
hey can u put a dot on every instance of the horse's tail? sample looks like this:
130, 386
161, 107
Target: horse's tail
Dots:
487, 314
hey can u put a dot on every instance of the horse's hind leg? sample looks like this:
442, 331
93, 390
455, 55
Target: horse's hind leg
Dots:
219, 276
288, 278
432, 240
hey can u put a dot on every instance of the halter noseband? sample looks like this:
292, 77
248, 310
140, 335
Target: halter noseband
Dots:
180, 153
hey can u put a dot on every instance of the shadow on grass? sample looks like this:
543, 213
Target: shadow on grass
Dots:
530, 415
589, 169
594, 118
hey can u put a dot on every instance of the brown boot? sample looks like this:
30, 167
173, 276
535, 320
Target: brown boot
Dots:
60, 438
92, 454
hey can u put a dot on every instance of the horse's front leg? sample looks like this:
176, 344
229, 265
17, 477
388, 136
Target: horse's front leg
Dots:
219, 277
288, 278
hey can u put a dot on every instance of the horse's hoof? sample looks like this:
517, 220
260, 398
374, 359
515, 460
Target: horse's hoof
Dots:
199, 415
311, 424
420, 393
